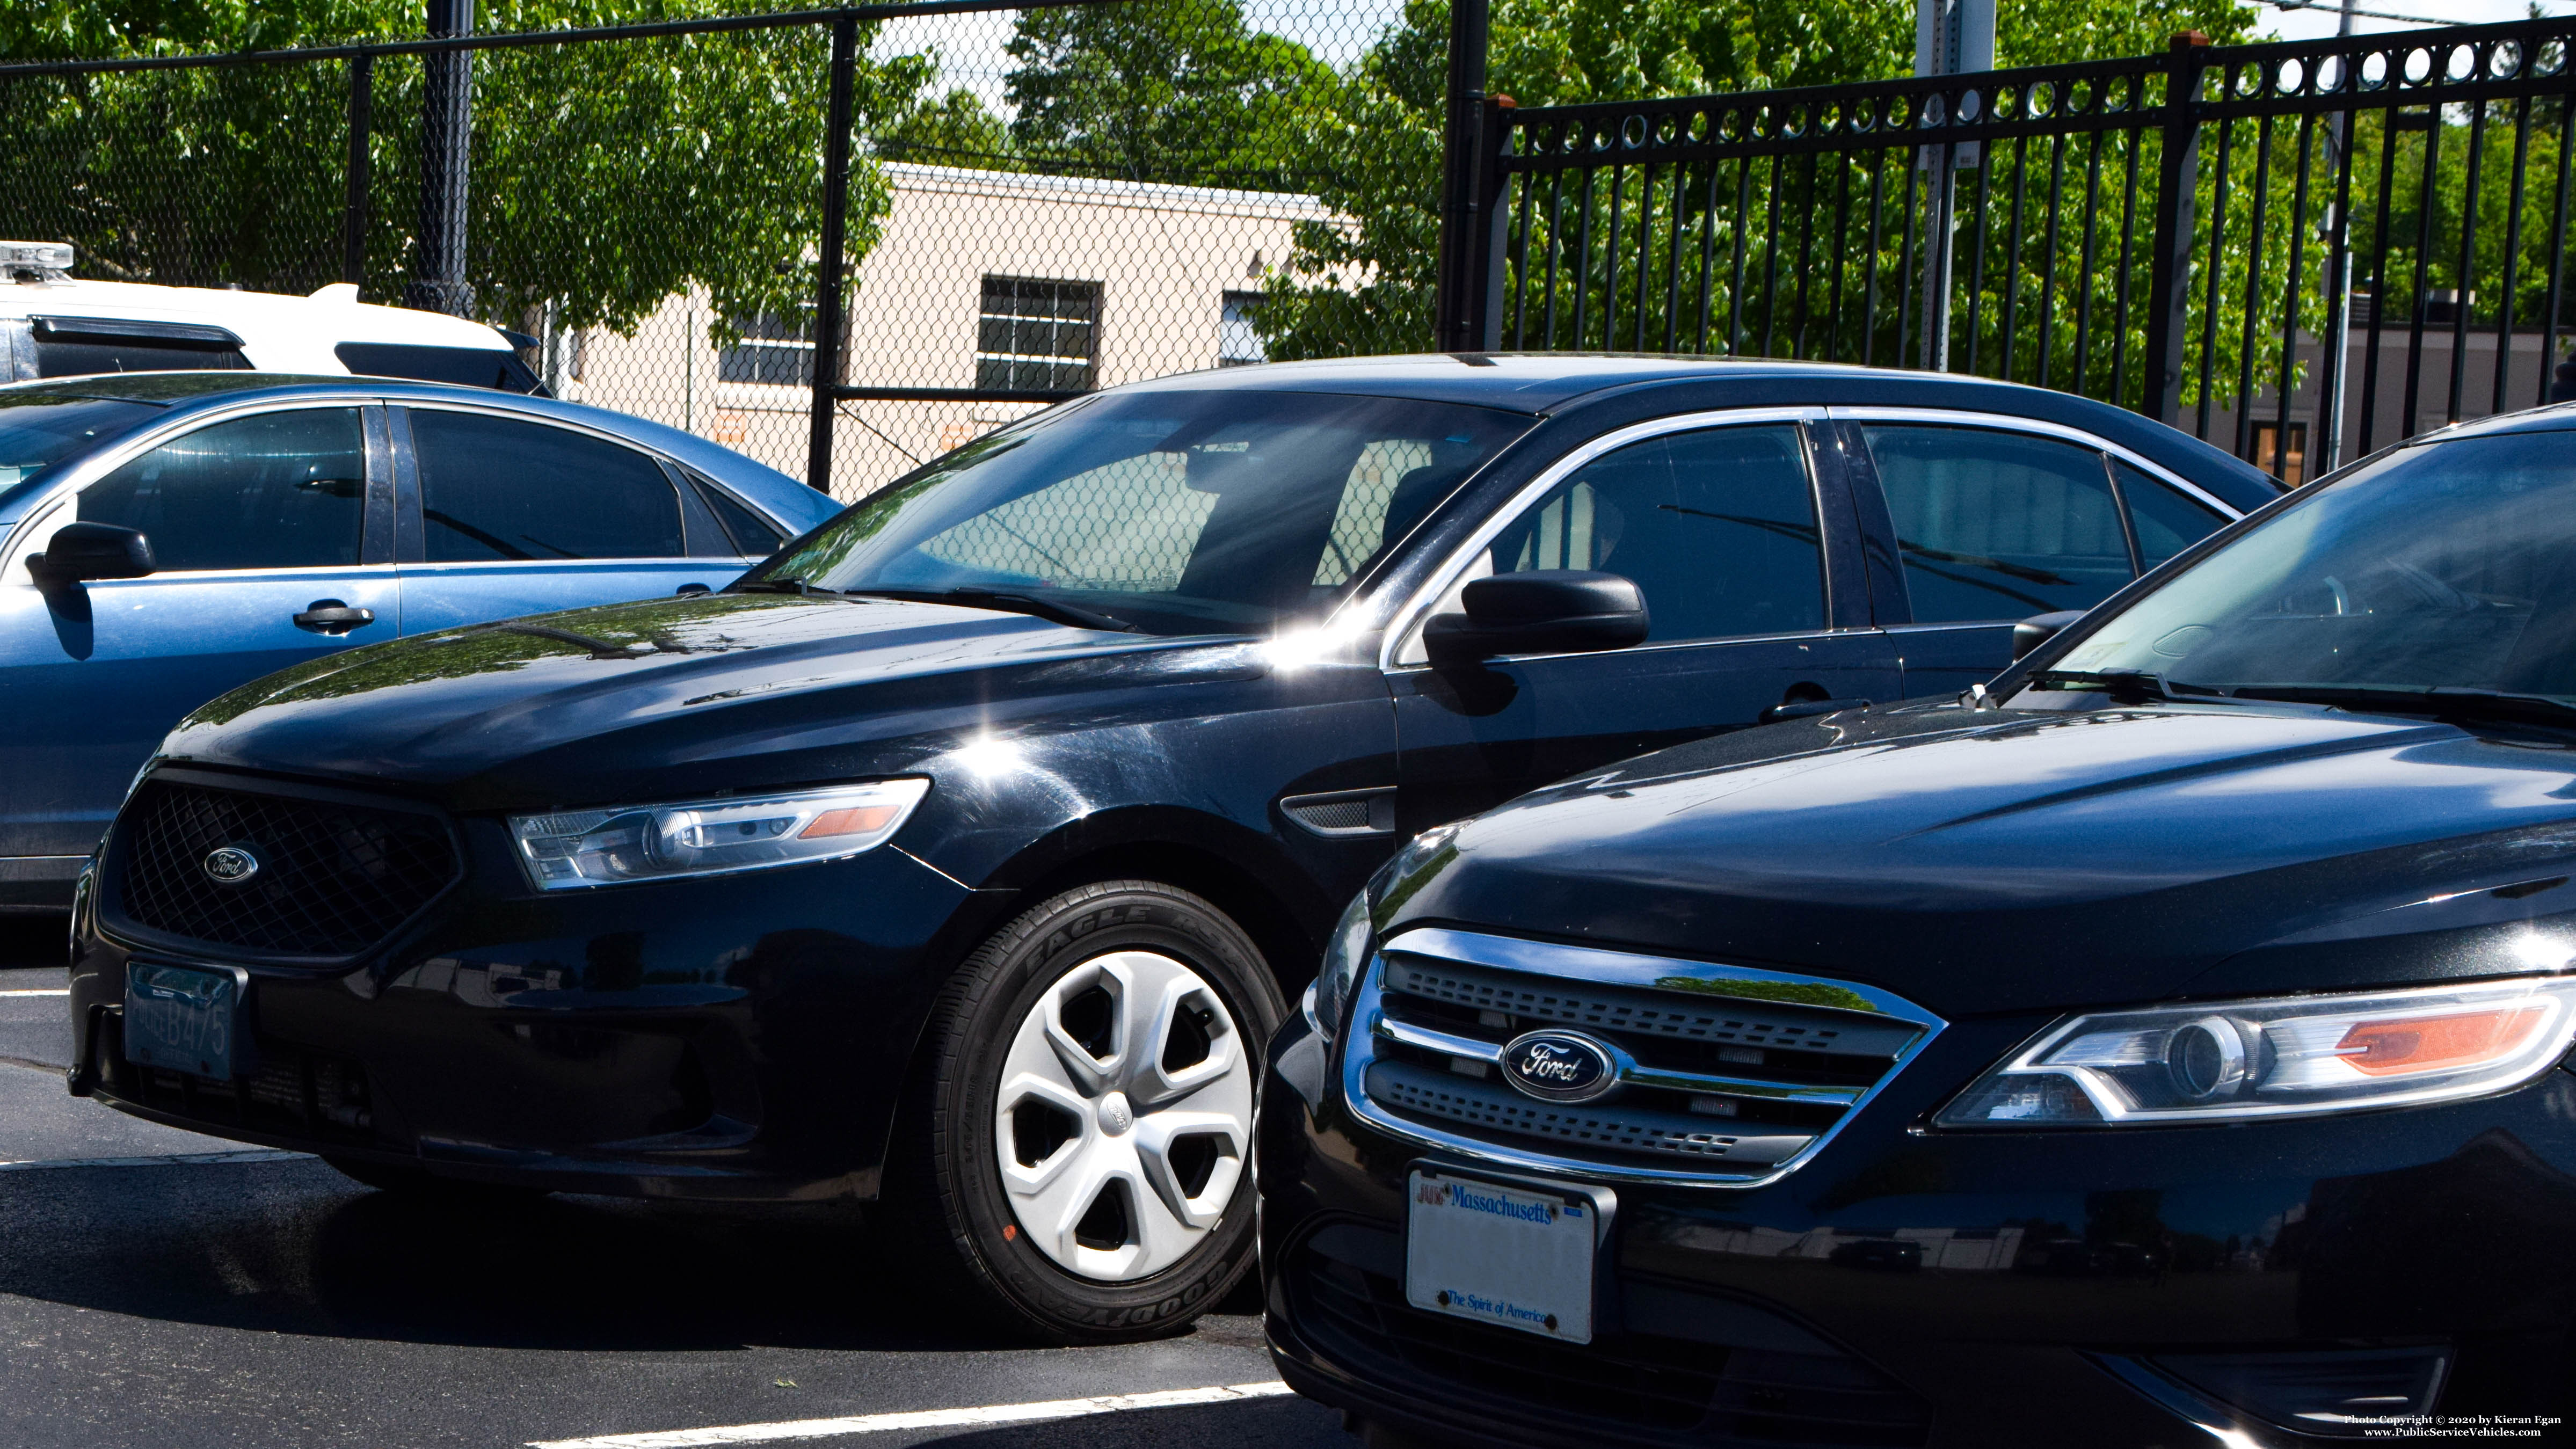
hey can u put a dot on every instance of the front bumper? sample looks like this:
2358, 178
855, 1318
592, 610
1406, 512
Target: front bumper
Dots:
1955, 1289
738, 1037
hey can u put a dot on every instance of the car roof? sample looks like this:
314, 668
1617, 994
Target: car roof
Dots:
2552, 418
333, 312
186, 392
1550, 383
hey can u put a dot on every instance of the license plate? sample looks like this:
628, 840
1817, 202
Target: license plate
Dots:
1514, 1255
185, 1020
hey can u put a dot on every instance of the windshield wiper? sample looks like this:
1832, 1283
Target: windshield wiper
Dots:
1039, 605
2447, 701
780, 586
2124, 686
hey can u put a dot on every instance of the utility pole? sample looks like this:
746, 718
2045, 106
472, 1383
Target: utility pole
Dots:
2337, 362
446, 142
1951, 37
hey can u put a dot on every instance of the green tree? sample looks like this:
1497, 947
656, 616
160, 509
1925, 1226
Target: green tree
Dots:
1180, 91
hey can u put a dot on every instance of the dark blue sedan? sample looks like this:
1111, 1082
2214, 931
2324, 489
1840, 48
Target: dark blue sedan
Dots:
282, 518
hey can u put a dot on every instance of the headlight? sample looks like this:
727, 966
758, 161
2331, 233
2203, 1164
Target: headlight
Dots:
2286, 1056
710, 837
1344, 955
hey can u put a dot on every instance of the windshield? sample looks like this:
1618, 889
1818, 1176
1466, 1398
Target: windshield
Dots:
40, 430
1166, 512
2444, 566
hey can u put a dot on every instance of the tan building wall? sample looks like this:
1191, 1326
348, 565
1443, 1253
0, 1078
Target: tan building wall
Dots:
1163, 258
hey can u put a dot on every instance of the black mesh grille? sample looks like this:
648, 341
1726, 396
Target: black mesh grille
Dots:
333, 879
1663, 1390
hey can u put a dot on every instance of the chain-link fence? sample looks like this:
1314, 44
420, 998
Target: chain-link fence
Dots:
1030, 202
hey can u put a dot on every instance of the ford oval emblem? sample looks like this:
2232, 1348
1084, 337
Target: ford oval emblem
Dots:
231, 864
1559, 1066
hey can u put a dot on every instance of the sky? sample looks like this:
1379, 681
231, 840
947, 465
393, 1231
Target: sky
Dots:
1338, 31
2319, 23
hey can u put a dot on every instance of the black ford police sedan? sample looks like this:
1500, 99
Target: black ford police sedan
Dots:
2166, 1047
964, 856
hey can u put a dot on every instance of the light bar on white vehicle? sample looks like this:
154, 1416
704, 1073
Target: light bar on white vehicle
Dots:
574, 848
45, 259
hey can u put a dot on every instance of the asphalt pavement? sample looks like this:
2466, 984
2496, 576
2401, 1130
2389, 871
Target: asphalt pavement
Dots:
159, 1288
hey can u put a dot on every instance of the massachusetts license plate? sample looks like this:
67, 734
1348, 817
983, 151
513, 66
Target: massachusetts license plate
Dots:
184, 1019
1515, 1256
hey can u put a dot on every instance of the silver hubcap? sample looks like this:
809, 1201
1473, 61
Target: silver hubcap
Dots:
1125, 1116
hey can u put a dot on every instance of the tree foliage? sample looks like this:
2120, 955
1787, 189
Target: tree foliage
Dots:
1167, 90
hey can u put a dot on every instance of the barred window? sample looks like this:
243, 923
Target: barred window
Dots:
776, 347
1037, 335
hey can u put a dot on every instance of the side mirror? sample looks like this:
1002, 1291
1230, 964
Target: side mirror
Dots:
80, 551
2038, 629
1544, 611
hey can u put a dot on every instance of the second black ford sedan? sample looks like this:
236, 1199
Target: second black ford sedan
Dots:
964, 857
2168, 1046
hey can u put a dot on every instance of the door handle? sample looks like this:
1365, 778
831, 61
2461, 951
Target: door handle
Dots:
333, 617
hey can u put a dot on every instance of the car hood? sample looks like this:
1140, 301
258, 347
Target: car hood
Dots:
1992, 861
720, 692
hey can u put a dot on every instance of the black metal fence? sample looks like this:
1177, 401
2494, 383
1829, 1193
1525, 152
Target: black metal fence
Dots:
2299, 251
840, 240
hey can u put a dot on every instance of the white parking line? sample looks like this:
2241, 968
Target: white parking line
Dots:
184, 1159
917, 1419
51, 991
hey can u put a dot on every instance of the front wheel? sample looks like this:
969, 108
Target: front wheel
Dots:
1077, 1138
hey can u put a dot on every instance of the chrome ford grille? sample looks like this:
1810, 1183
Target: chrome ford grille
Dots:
1724, 1074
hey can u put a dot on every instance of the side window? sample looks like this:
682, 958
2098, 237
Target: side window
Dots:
2165, 521
754, 535
500, 488
1997, 525
277, 490
1718, 528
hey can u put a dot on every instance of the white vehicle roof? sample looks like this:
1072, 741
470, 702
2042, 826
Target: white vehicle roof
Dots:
278, 333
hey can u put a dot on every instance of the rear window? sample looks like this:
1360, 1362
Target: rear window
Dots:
471, 366
82, 359
87, 346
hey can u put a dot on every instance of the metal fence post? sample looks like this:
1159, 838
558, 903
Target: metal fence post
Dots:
354, 215
1482, 328
446, 142
1464, 223
1940, 195
828, 310
2169, 260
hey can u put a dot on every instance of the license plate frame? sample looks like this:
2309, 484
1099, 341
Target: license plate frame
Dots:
188, 1019
1483, 1256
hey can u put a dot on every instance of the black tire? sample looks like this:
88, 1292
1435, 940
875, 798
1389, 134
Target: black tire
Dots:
420, 1184
945, 1193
